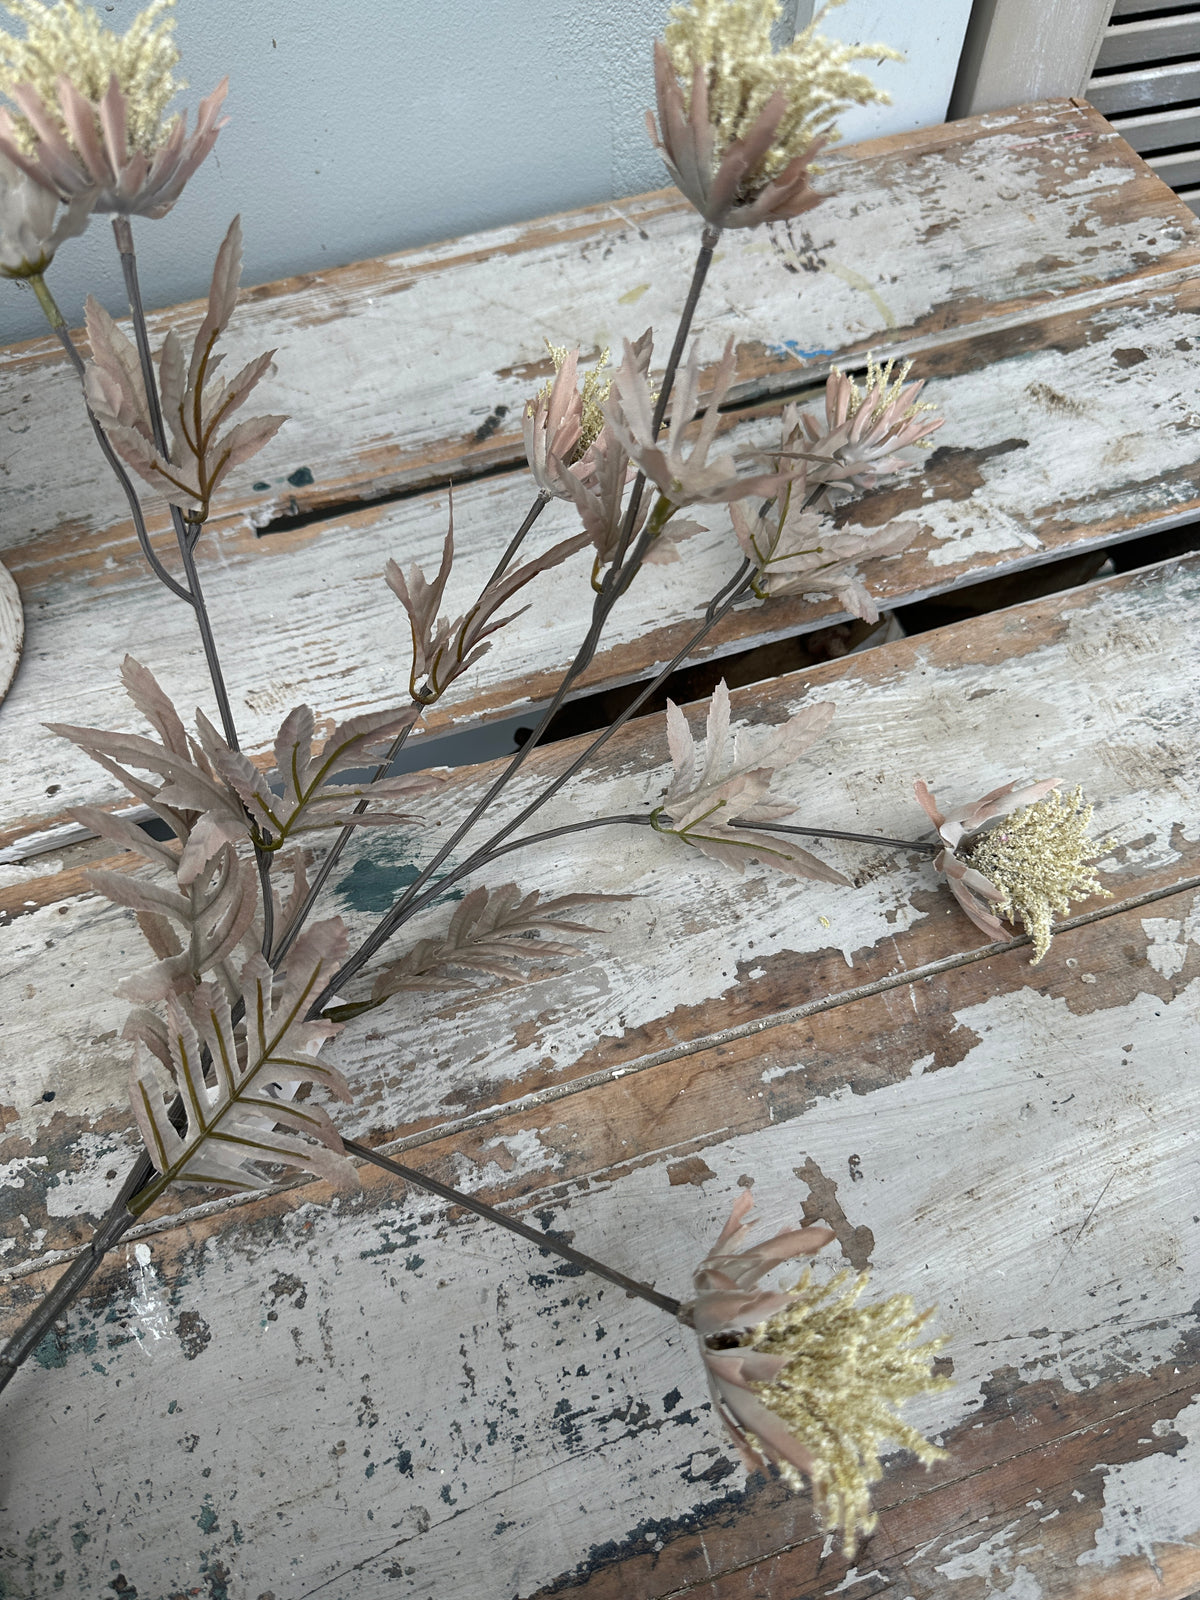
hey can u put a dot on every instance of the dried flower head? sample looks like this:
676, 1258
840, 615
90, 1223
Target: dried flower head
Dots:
92, 103
798, 551
863, 430
562, 422
807, 1379
1039, 860
1034, 862
715, 808
29, 231
740, 123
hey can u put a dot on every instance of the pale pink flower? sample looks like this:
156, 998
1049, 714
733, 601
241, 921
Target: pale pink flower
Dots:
863, 432
728, 1307
30, 229
957, 828
97, 155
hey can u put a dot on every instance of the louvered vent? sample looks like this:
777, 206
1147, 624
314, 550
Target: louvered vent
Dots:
1147, 83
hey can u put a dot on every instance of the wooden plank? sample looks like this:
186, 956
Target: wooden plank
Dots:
422, 1407
1072, 430
401, 372
1080, 685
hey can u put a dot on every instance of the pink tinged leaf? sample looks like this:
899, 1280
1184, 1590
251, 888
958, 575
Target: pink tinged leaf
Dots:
211, 833
293, 751
244, 439
163, 1144
121, 831
222, 298
683, 753
155, 704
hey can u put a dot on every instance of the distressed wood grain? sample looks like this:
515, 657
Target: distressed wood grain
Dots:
1081, 686
460, 1412
1076, 429
403, 372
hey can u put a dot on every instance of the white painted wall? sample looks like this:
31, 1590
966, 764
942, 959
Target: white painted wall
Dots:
363, 126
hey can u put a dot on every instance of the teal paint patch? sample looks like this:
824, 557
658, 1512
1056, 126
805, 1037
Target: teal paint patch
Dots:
55, 1350
207, 1519
79, 1536
301, 478
373, 886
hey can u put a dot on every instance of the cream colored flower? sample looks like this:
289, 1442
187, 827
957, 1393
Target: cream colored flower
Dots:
806, 1379
863, 432
92, 104
29, 234
738, 122
1032, 863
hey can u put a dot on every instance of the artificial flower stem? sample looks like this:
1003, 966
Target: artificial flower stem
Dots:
116, 1221
835, 833
708, 244
58, 323
123, 234
614, 586
289, 935
518, 538
544, 1241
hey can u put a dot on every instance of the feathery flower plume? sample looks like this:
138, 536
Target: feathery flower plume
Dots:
805, 1379
92, 104
563, 422
739, 123
29, 234
864, 429
1034, 862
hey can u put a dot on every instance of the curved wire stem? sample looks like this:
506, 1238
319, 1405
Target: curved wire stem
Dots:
617, 580
544, 1241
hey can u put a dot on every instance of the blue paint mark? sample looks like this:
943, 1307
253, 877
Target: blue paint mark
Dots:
207, 1520
793, 347
404, 1462
670, 1401
260, 486
373, 886
300, 479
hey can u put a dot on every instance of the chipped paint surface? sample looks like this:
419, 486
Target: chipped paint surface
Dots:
381, 335
441, 1384
360, 1395
671, 964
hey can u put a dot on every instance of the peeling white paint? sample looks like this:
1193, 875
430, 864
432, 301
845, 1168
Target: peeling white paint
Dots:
1147, 1503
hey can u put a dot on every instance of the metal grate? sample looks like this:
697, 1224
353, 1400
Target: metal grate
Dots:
1146, 81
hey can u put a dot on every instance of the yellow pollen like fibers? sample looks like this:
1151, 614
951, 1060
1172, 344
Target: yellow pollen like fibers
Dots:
594, 394
850, 1367
731, 41
883, 390
69, 40
1039, 860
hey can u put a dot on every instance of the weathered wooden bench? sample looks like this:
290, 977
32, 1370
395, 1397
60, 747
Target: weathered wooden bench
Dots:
350, 1395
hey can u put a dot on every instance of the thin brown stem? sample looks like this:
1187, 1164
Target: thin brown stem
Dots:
59, 325
544, 1241
614, 586
836, 833
184, 538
